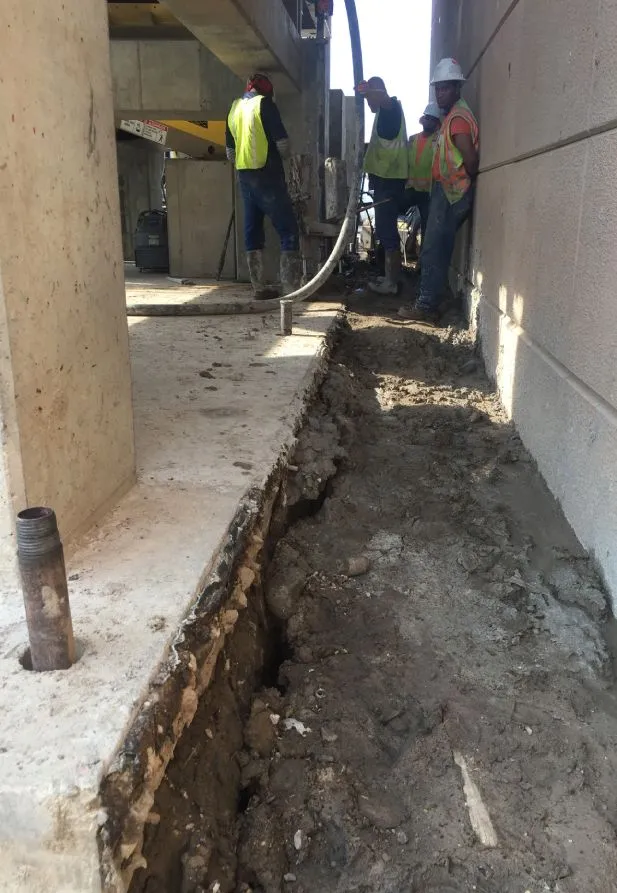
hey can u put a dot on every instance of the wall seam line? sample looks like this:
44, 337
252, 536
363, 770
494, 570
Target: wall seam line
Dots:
500, 24
579, 137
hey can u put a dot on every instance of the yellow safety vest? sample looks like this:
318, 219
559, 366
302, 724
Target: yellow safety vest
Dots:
248, 132
421, 165
388, 158
452, 173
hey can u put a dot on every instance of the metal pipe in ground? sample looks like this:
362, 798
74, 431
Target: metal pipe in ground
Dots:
46, 598
287, 309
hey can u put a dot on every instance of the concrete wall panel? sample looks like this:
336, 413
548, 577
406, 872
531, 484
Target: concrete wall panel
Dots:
536, 79
181, 85
199, 205
572, 436
603, 104
170, 79
554, 255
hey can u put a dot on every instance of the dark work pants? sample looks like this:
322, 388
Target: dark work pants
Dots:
265, 196
444, 221
390, 192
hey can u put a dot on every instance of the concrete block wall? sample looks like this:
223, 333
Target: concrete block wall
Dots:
542, 259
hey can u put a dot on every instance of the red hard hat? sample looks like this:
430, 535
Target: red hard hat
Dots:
261, 83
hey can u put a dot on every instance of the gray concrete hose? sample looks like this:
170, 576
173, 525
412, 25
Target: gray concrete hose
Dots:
346, 235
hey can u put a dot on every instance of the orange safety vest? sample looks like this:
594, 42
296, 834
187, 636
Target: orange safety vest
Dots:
452, 173
421, 163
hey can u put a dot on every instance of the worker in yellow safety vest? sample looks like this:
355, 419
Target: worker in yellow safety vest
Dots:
257, 142
455, 168
421, 151
387, 164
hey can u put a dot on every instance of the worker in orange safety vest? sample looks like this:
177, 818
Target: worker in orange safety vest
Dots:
421, 154
455, 168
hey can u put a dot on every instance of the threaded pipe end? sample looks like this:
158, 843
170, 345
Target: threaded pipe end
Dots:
37, 532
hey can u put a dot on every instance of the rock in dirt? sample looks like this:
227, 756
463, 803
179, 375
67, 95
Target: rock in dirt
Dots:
260, 733
328, 736
356, 567
287, 580
383, 810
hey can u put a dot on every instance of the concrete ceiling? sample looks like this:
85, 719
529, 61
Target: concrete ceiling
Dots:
143, 21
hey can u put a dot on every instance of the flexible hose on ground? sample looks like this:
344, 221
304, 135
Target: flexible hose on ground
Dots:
346, 235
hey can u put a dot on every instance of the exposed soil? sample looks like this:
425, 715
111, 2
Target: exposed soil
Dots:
442, 714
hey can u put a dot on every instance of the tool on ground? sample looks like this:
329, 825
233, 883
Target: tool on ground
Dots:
230, 225
45, 590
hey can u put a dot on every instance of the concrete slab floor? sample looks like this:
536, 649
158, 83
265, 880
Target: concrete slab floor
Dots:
216, 401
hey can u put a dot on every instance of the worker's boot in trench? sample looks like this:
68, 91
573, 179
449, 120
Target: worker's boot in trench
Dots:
263, 291
291, 271
389, 285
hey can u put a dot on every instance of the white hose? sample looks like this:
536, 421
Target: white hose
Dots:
346, 235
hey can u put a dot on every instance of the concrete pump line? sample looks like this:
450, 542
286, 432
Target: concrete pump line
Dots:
345, 235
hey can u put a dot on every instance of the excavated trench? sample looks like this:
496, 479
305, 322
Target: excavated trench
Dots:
416, 694
193, 829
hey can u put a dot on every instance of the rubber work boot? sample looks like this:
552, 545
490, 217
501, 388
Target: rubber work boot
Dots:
263, 291
419, 315
389, 285
291, 271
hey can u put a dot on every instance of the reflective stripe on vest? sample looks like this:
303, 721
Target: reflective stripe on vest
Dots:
421, 167
388, 158
453, 175
248, 132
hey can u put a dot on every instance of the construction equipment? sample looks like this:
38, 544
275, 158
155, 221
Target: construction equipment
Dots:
151, 242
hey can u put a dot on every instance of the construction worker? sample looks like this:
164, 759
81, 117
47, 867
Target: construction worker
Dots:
421, 151
387, 164
256, 143
455, 168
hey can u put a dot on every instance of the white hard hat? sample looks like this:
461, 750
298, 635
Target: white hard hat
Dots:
447, 70
432, 111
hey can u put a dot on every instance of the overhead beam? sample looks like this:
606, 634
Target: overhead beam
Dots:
170, 79
246, 35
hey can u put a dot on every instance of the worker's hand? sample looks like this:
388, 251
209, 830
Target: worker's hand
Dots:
284, 148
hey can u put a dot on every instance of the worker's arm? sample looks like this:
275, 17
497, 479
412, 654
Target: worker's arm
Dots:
274, 127
471, 159
230, 144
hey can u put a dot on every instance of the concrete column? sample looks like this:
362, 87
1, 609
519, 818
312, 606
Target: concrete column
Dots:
350, 137
335, 146
140, 171
65, 388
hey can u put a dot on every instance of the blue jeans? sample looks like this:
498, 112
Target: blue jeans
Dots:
444, 221
264, 196
386, 215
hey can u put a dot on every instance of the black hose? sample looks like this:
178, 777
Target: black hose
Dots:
345, 235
